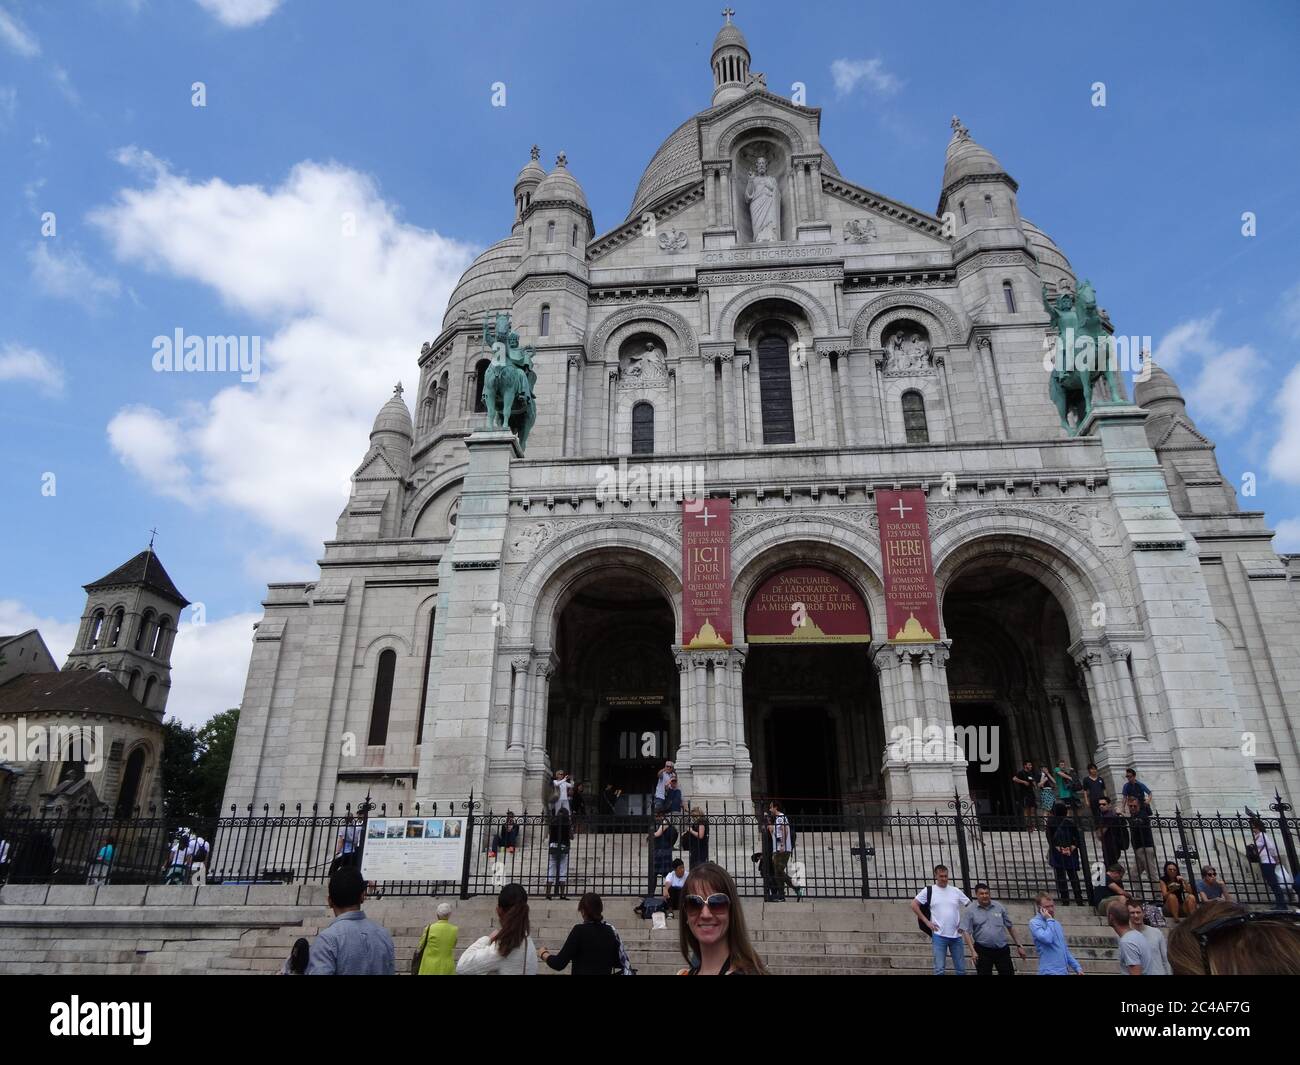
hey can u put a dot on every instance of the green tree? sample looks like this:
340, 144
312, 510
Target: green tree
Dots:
179, 755
216, 743
195, 762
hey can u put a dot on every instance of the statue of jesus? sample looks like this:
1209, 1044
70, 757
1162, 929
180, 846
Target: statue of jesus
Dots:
764, 203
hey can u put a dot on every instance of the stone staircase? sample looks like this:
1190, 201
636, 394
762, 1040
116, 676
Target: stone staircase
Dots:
185, 930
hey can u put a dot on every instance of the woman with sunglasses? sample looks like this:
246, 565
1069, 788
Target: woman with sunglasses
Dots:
713, 937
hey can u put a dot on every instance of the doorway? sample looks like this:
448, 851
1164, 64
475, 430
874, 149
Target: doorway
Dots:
800, 766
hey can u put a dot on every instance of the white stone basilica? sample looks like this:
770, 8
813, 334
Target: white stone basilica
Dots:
485, 616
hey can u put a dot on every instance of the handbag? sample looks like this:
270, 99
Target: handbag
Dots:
1252, 852
419, 952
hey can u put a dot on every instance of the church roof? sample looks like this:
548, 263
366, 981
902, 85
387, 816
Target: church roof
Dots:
485, 286
532, 172
73, 691
559, 184
394, 417
1158, 385
965, 158
729, 36
144, 569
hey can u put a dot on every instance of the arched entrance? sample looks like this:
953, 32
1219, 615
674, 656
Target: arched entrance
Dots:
613, 714
1010, 672
812, 704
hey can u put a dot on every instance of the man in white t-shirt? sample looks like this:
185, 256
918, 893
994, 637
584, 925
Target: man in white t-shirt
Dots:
661, 784
674, 880
945, 903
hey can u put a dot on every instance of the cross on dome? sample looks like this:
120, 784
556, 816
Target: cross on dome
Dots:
562, 159
727, 12
397, 389
535, 152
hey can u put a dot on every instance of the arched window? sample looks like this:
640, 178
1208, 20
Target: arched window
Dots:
144, 634
480, 372
1009, 295
774, 390
115, 627
550, 232
149, 687
914, 418
428, 657
133, 683
988, 207
162, 636
96, 630
962, 207
383, 699
544, 326
440, 406
574, 240
126, 795
643, 429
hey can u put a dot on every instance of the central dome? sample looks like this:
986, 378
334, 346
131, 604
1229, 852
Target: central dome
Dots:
677, 165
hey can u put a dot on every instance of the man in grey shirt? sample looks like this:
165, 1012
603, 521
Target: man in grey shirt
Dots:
985, 926
352, 945
1134, 950
1159, 945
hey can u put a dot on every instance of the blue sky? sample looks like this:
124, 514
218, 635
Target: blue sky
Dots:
226, 219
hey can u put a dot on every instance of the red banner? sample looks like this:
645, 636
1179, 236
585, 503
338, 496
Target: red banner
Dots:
806, 605
706, 573
911, 606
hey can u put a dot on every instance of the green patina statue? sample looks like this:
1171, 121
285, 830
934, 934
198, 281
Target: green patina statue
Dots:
1083, 352
509, 380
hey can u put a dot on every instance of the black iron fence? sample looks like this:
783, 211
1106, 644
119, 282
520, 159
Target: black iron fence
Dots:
848, 854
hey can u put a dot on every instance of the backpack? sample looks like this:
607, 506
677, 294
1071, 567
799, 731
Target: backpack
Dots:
649, 906
925, 909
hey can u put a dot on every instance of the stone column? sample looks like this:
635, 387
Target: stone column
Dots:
744, 767
543, 671
740, 399
611, 410
1112, 751
728, 401
815, 176
705, 735
725, 215
1120, 656
755, 401
686, 707
672, 408
830, 427
878, 358
796, 199
571, 408
518, 704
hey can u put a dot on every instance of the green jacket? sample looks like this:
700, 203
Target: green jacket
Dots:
438, 942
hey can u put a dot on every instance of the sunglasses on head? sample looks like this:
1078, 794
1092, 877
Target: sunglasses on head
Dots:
717, 902
1209, 931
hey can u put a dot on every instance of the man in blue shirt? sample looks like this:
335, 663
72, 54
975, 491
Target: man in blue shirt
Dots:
1054, 957
353, 945
1135, 789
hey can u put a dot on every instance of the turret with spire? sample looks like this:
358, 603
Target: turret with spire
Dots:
730, 61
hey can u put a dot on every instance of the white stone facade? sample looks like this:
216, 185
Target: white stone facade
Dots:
1174, 641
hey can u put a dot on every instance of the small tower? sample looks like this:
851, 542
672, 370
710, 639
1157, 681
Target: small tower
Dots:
393, 432
129, 626
526, 184
730, 61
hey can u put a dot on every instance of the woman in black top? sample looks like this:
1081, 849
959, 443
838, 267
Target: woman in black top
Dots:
697, 838
1179, 900
592, 946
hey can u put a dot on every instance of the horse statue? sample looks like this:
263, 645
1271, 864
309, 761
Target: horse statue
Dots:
1084, 354
509, 380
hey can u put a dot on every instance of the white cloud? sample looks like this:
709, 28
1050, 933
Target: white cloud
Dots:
1287, 540
8, 105
59, 636
1221, 385
1291, 310
209, 662
67, 274
1227, 388
18, 363
1192, 339
848, 73
64, 82
239, 13
344, 317
154, 447
209, 667
1284, 459
17, 37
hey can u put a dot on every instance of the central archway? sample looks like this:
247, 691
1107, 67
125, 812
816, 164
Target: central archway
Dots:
613, 713
812, 704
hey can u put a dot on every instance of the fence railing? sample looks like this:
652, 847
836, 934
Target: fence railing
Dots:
847, 854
